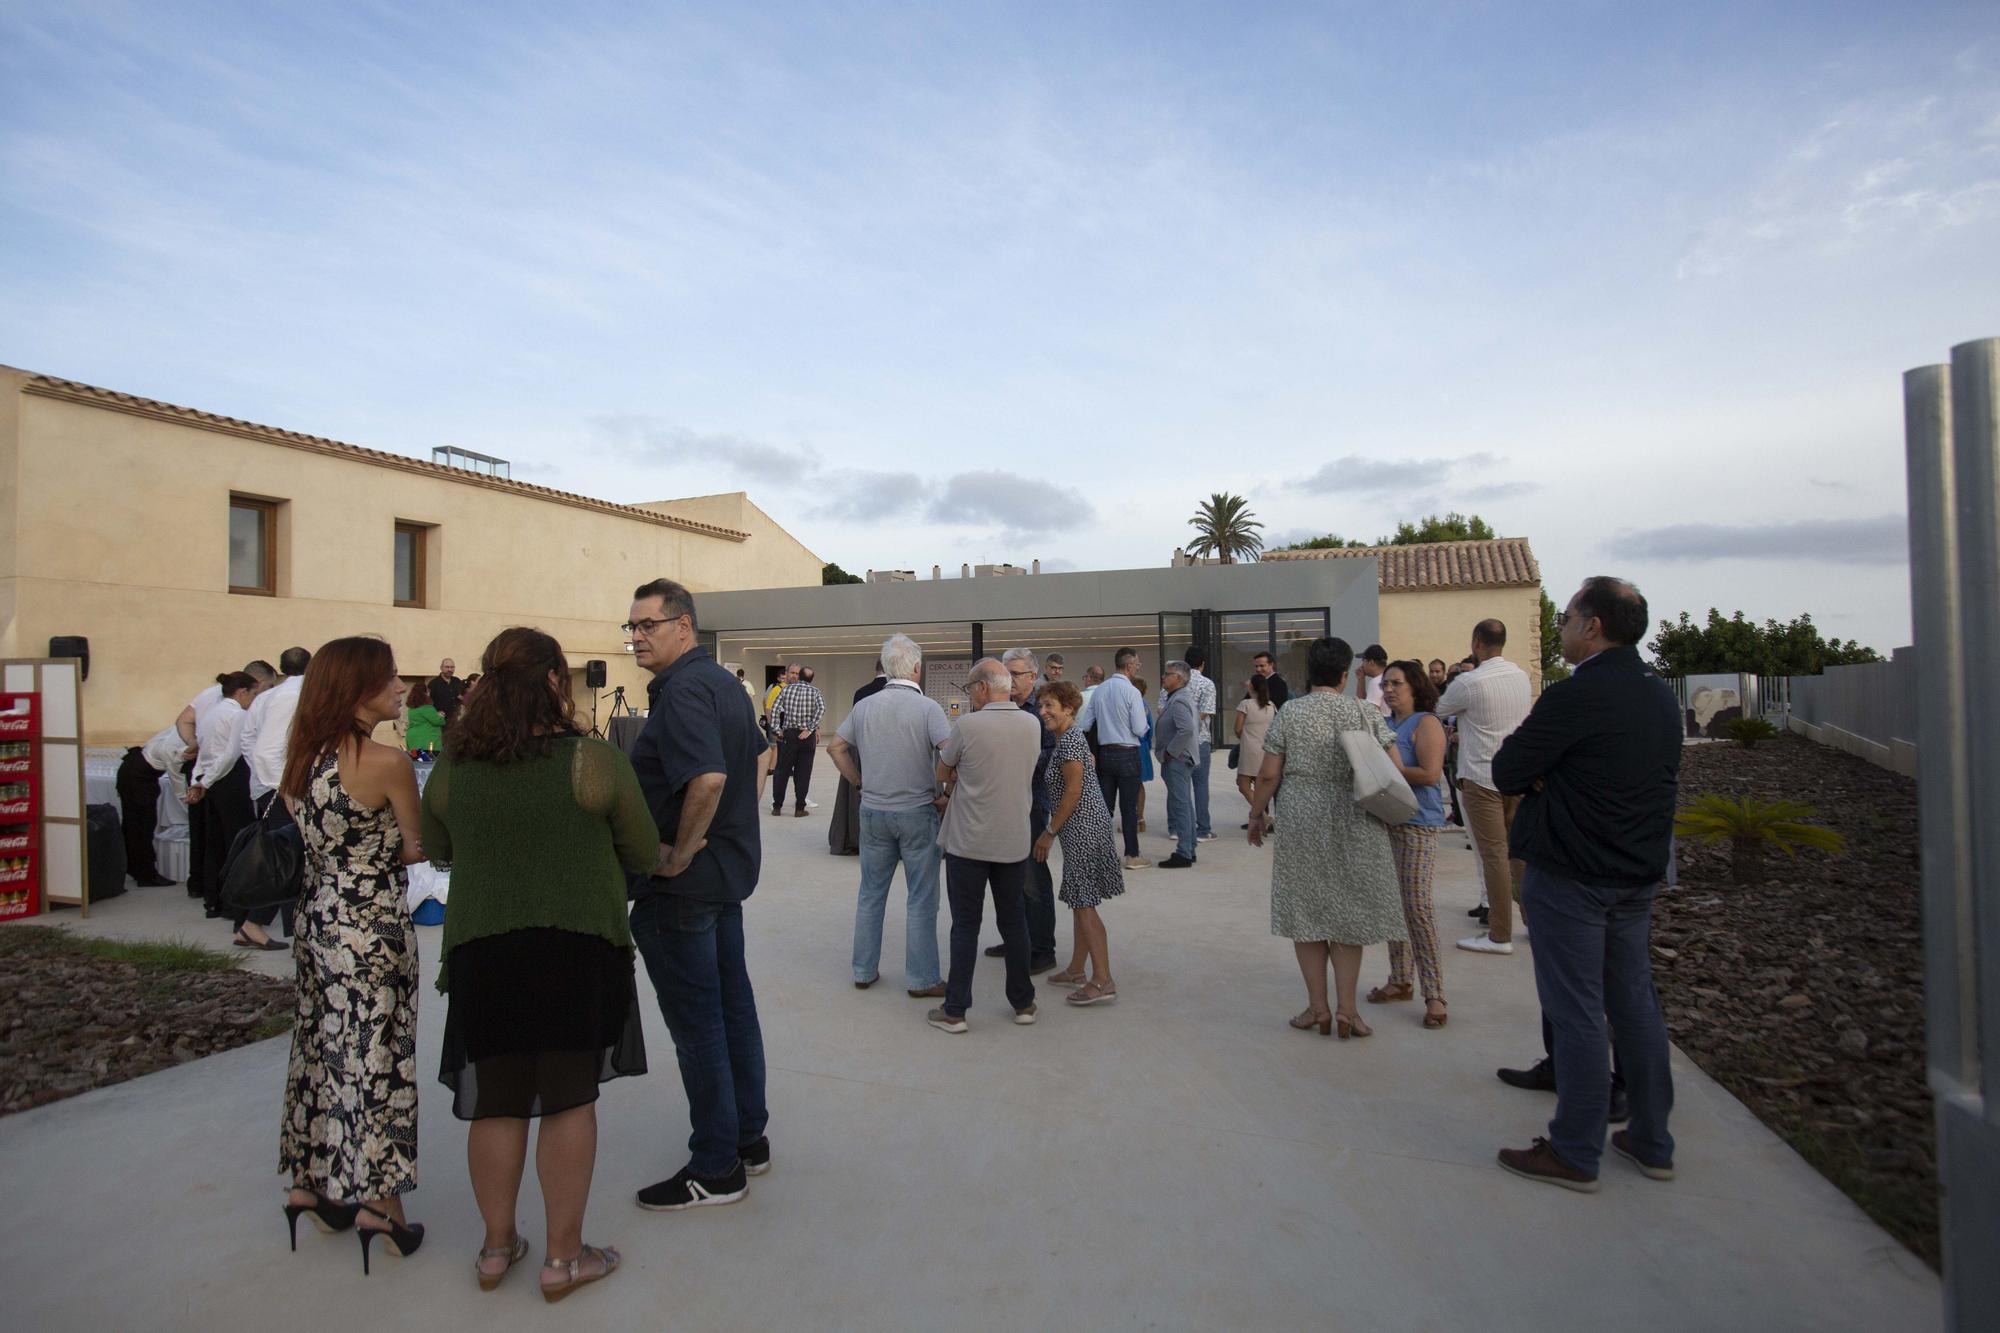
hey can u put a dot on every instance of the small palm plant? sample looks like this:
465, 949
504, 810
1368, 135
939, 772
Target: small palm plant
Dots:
1750, 825
1749, 730
1225, 528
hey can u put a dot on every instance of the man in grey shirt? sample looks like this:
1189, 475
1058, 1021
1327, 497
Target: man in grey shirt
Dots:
985, 767
894, 736
1177, 742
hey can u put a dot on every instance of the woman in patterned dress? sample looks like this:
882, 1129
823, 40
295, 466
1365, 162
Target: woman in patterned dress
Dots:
1091, 873
1333, 880
349, 1136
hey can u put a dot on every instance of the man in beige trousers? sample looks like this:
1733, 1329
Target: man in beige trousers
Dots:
1489, 702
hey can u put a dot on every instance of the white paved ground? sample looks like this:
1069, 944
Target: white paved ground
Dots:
1178, 1159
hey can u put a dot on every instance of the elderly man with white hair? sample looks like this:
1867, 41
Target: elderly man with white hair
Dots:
887, 748
985, 768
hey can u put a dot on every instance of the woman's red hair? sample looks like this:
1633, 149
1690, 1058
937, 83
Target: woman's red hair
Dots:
342, 674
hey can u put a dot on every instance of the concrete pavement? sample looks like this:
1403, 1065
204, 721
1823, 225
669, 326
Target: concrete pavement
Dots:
1179, 1159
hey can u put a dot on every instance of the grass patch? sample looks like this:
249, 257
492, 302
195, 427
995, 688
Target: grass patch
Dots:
274, 1026
175, 955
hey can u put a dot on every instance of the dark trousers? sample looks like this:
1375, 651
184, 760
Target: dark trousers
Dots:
694, 954
197, 883
224, 811
1593, 963
795, 761
1041, 895
1118, 775
138, 812
965, 883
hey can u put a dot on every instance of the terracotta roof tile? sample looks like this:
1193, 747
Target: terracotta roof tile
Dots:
48, 386
1503, 563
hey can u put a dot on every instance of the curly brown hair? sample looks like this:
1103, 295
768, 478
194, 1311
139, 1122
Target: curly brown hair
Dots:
1064, 693
516, 713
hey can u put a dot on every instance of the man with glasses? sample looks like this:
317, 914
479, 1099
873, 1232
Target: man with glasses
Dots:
796, 717
697, 763
1024, 691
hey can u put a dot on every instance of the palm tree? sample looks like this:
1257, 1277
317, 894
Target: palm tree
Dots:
1749, 825
1226, 529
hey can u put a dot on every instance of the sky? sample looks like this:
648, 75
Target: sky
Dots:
943, 283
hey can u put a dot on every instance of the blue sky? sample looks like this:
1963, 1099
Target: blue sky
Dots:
954, 282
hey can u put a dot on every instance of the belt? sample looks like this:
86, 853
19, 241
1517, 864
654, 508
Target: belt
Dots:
1117, 747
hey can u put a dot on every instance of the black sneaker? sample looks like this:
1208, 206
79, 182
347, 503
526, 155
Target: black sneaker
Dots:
1538, 1077
1040, 964
756, 1157
1177, 862
1621, 1107
996, 951
687, 1190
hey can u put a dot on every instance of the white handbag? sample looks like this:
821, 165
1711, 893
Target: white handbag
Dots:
1379, 786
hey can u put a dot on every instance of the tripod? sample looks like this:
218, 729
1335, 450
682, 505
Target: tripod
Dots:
620, 707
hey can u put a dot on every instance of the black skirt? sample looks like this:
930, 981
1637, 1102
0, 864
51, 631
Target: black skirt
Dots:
536, 1020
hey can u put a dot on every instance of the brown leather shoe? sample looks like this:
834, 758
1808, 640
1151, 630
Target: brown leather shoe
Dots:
1621, 1143
1539, 1162
929, 992
799, 813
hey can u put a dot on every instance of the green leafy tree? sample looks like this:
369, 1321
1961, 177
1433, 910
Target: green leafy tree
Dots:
1453, 527
1330, 542
1225, 528
1553, 666
835, 574
1793, 648
1749, 826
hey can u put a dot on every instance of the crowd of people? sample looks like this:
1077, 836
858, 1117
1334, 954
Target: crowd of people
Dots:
572, 859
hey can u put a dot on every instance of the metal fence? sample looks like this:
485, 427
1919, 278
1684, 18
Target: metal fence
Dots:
1876, 701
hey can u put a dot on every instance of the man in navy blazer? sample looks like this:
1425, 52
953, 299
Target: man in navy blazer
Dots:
1597, 764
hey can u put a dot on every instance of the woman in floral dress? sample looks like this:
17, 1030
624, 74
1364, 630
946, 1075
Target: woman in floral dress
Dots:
349, 1136
1091, 873
1333, 878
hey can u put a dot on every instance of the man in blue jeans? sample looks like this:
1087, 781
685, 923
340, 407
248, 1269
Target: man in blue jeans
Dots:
1177, 743
697, 763
1118, 715
891, 740
1203, 690
1596, 763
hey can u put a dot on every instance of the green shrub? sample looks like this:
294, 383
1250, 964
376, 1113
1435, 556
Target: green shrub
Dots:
1750, 730
1751, 825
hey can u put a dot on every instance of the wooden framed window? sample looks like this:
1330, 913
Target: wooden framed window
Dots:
411, 564
253, 546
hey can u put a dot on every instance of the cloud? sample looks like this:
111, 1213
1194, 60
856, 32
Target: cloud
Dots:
1021, 506
869, 497
1501, 490
1860, 541
651, 441
1363, 476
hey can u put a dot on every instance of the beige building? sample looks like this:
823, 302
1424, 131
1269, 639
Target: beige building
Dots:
1433, 594
182, 543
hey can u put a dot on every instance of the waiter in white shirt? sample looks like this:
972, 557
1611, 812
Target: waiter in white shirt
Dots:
269, 727
219, 796
188, 724
1489, 701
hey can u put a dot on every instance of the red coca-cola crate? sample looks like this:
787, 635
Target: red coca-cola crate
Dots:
20, 884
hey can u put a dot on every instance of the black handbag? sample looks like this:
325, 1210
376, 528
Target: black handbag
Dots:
1235, 754
265, 865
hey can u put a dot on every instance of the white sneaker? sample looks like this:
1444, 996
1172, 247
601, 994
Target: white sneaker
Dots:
1205, 837
812, 805
1137, 863
1485, 944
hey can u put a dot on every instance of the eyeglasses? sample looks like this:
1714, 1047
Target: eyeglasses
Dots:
1018, 672
645, 627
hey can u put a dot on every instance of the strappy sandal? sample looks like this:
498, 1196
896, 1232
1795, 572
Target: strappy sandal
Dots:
1350, 1025
513, 1254
1309, 1020
1092, 992
1065, 978
1391, 992
572, 1277
1435, 1020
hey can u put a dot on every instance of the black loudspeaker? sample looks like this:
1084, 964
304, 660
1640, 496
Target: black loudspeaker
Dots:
594, 673
72, 645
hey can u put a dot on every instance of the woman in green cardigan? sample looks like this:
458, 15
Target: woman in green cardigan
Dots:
426, 724
541, 825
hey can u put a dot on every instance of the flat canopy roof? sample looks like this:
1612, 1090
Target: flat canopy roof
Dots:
1339, 585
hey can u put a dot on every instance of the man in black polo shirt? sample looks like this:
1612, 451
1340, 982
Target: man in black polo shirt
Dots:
697, 763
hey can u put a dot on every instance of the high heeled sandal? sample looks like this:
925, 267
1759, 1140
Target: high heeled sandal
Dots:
1308, 1020
513, 1254
402, 1240
1391, 992
1435, 1020
573, 1279
1349, 1025
327, 1215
